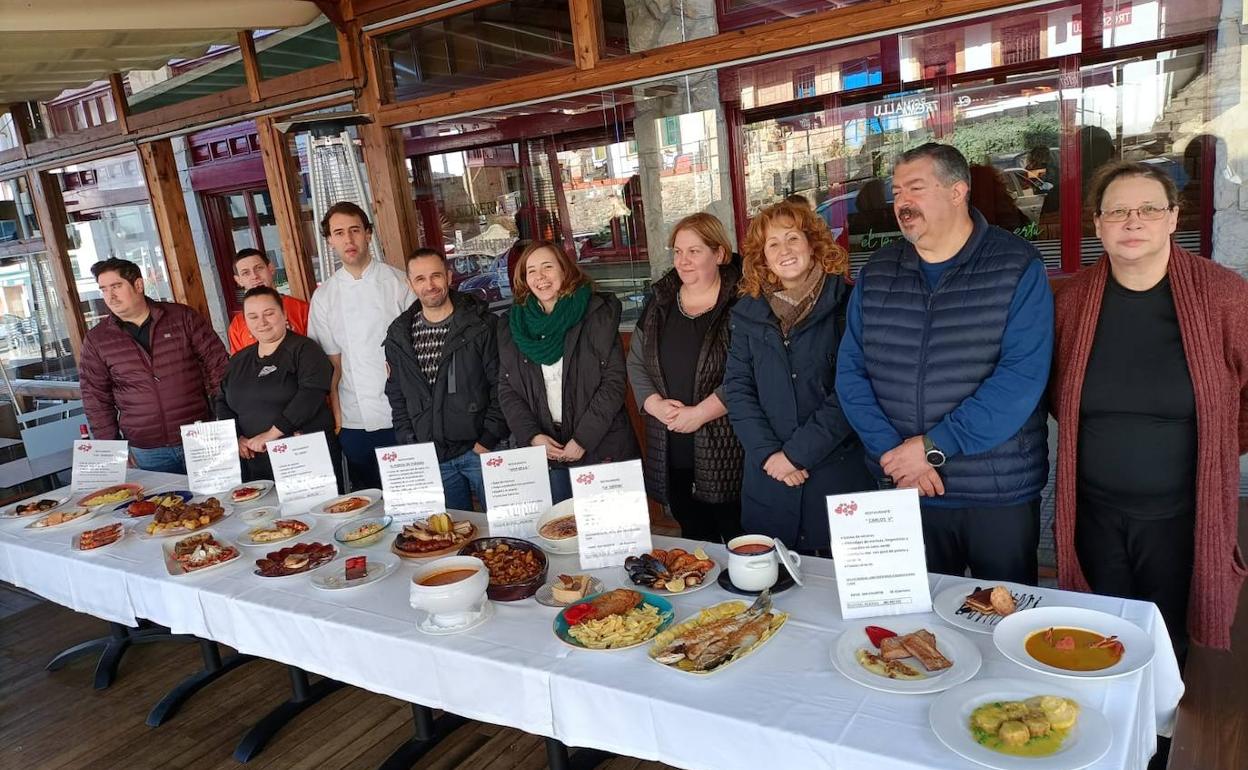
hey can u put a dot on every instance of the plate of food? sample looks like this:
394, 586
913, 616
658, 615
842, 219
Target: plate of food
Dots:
361, 533
184, 517
201, 551
437, 535
1073, 642
278, 531
250, 491
100, 537
149, 504
354, 571
295, 560
33, 506
671, 571
906, 656
718, 636
615, 620
979, 607
567, 589
60, 517
117, 493
1015, 724
348, 505
556, 529
517, 567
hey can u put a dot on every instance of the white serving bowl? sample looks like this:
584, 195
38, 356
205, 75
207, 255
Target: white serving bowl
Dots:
564, 545
452, 604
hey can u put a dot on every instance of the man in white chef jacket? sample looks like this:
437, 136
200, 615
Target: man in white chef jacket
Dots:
350, 313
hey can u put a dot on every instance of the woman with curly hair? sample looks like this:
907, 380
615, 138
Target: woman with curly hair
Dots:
780, 378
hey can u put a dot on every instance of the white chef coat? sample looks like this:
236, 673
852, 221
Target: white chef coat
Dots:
349, 317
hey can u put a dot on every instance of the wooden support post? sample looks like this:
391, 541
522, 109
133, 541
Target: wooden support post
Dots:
160, 169
45, 193
586, 32
284, 193
251, 65
120, 106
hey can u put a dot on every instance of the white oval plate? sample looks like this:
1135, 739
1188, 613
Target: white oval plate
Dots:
264, 485
372, 496
707, 579
1012, 634
948, 604
77, 538
142, 533
960, 651
255, 517
244, 537
255, 571
950, 717
10, 512
333, 578
89, 514
174, 568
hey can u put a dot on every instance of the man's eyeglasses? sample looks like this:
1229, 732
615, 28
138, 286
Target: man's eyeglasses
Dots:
1146, 213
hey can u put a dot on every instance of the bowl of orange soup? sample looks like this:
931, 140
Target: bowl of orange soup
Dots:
450, 589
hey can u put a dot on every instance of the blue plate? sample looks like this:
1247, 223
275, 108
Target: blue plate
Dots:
182, 493
663, 605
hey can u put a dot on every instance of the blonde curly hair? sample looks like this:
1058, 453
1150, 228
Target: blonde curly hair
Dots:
756, 276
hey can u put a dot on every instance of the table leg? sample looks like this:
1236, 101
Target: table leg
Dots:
558, 758
304, 694
111, 649
429, 732
214, 668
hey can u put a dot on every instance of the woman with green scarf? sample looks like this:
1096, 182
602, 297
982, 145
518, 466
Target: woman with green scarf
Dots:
561, 376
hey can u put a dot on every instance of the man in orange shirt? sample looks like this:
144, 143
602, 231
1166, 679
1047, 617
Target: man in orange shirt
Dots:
251, 269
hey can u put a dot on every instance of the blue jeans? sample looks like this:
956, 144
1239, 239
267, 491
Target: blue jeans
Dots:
560, 484
166, 459
461, 478
358, 447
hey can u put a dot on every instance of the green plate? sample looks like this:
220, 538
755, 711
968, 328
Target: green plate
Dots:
663, 605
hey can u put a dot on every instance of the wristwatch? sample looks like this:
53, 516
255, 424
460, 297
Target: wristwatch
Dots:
935, 457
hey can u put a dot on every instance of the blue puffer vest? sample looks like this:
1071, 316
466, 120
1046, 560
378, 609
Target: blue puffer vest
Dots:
927, 350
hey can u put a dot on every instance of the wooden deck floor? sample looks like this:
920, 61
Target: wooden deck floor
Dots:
52, 720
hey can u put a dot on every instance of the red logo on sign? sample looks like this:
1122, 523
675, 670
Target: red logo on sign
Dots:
192, 433
494, 462
277, 448
390, 456
846, 509
585, 478
84, 447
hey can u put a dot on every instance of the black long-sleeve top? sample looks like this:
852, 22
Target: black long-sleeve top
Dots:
286, 389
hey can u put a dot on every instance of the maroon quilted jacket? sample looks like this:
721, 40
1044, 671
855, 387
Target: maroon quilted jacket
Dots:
143, 397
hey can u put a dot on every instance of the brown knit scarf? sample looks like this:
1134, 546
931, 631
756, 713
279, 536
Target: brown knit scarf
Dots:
792, 305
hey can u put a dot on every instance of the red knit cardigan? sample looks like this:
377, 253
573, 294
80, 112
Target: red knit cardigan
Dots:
1212, 307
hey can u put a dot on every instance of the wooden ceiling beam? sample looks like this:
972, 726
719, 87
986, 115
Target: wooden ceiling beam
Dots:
279, 174
251, 65
121, 106
164, 188
45, 194
586, 32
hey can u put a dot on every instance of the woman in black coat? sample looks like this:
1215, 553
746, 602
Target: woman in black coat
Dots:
561, 367
780, 378
277, 387
676, 367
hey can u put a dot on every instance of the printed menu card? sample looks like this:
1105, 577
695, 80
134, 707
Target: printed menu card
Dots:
411, 482
302, 470
612, 519
877, 546
517, 490
212, 462
99, 464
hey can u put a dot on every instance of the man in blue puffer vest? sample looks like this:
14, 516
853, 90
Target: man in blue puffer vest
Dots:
943, 367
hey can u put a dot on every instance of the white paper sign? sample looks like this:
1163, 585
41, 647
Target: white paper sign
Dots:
99, 464
612, 519
302, 470
411, 481
877, 544
517, 490
212, 462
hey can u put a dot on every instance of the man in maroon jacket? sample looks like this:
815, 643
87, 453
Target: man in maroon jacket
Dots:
147, 369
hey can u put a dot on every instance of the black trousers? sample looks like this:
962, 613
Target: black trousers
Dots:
1133, 558
712, 522
996, 542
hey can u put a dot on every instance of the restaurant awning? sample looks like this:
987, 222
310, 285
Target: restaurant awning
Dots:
47, 47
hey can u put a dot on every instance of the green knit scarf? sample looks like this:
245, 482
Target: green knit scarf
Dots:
540, 335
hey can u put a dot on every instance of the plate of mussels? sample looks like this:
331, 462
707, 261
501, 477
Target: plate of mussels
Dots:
673, 571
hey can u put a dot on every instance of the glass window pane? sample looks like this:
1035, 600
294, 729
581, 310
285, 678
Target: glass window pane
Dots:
17, 213
8, 131
184, 79
1123, 22
804, 76
1006, 39
33, 341
288, 51
735, 14
629, 26
270, 238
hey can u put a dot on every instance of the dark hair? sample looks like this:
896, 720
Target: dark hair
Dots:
248, 252
421, 253
265, 291
951, 165
799, 200
1112, 172
128, 271
348, 208
573, 277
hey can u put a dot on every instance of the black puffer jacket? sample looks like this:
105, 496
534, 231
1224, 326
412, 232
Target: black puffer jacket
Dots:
594, 384
461, 408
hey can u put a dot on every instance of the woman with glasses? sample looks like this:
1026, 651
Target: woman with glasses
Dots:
1150, 390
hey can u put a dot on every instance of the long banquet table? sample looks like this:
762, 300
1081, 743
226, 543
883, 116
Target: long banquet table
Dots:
785, 706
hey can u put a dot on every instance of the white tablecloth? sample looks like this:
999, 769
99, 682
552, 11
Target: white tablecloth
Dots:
783, 707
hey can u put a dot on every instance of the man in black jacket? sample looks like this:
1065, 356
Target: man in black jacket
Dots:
443, 383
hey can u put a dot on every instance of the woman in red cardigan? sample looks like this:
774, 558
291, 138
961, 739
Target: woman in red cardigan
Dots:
1150, 390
